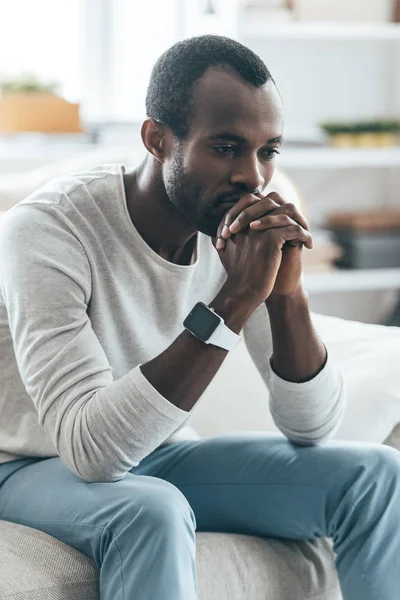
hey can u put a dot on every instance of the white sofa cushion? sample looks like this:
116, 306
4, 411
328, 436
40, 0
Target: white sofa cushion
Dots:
368, 357
35, 566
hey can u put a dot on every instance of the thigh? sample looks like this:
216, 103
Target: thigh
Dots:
259, 483
46, 495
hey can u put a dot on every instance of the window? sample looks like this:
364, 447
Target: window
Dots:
123, 39
43, 36
100, 51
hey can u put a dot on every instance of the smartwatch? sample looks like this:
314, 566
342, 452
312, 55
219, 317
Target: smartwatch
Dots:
204, 323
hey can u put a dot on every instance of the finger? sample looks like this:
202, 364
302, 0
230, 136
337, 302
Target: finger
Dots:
220, 228
291, 209
276, 198
244, 216
218, 243
274, 220
241, 205
291, 233
279, 200
223, 230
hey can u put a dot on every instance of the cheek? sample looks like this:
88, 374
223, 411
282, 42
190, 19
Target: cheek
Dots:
267, 169
208, 170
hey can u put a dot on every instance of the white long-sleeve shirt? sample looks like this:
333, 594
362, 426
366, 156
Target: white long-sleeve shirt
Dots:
84, 301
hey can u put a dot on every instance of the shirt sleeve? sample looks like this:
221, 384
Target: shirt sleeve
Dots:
306, 413
100, 428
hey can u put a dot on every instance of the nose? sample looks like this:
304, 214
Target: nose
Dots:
246, 172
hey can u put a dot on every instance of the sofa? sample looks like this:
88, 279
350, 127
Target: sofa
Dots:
35, 566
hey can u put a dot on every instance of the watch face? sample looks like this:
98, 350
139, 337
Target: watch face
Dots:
201, 321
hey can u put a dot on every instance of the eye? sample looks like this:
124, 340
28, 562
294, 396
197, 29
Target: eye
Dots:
269, 153
225, 149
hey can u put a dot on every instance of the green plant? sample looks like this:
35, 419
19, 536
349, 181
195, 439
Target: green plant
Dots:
27, 82
372, 126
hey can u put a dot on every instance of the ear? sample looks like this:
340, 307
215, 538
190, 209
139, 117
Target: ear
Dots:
157, 138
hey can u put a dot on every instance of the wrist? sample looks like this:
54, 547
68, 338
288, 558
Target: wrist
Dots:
293, 298
235, 308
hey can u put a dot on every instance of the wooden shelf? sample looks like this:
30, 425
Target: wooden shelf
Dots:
334, 158
319, 30
352, 280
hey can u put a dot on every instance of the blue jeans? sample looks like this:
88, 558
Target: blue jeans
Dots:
141, 530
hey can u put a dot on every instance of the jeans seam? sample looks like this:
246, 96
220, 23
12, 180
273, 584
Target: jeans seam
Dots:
120, 556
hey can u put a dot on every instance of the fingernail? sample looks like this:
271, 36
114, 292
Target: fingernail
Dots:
225, 232
220, 244
255, 223
234, 226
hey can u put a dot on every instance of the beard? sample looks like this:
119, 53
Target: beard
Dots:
189, 198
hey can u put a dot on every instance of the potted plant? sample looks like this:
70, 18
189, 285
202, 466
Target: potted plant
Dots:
340, 134
28, 104
367, 134
387, 133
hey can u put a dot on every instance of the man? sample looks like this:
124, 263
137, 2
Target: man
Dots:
122, 293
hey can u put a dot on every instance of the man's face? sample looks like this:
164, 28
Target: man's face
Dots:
234, 134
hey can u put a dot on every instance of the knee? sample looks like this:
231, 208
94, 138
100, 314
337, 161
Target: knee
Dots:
378, 466
368, 484
155, 505
167, 507
383, 463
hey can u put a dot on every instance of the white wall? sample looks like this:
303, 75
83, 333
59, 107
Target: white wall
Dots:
322, 80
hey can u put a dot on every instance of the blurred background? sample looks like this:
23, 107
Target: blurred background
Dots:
73, 78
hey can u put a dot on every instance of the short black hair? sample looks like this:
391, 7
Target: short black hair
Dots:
169, 94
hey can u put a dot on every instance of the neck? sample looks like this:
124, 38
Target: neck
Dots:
157, 220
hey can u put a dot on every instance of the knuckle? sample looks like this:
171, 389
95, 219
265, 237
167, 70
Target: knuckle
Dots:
286, 220
242, 218
271, 204
229, 218
275, 197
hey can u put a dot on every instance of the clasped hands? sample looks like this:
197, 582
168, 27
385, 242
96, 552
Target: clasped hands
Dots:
261, 214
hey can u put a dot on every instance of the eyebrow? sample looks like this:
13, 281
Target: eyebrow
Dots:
237, 138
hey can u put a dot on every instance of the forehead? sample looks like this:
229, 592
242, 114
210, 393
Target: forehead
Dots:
225, 102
